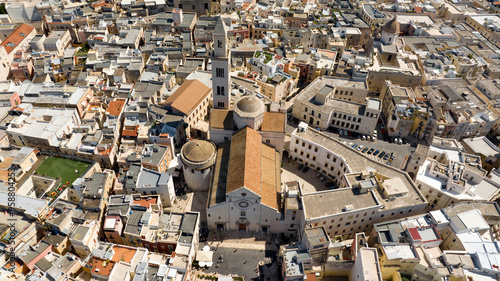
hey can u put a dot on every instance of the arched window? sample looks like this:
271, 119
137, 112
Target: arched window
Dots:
218, 90
222, 91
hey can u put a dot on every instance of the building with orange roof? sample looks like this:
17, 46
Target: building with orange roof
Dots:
191, 100
16, 41
246, 182
114, 262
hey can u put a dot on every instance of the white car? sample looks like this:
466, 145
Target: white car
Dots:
350, 144
359, 148
363, 137
400, 141
374, 139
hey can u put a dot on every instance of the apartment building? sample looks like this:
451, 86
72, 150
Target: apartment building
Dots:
404, 113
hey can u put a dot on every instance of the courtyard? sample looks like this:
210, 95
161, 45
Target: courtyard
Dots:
309, 181
66, 170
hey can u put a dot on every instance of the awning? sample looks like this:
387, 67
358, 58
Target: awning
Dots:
204, 256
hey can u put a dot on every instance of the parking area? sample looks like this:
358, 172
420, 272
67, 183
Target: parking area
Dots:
309, 180
402, 150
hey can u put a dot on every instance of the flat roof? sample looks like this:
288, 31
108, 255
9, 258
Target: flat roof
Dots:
400, 251
321, 204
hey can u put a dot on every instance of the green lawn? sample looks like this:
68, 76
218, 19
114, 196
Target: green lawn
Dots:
62, 168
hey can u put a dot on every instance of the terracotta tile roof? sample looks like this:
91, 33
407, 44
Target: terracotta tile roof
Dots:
311, 277
328, 53
188, 96
244, 161
130, 133
418, 9
145, 202
101, 266
271, 176
273, 122
222, 119
16, 37
254, 165
115, 107
123, 254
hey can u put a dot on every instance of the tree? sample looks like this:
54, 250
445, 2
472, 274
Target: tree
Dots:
3, 11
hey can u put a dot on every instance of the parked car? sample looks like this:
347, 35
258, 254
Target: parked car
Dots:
376, 152
374, 139
300, 167
321, 177
350, 144
382, 154
354, 146
386, 157
400, 141
390, 140
375, 133
364, 149
370, 151
393, 155
363, 137
329, 183
389, 162
359, 148
306, 168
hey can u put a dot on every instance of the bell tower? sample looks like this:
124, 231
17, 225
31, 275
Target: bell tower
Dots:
221, 58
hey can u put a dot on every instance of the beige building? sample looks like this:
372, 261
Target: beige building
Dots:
192, 100
403, 112
25, 159
57, 41
340, 103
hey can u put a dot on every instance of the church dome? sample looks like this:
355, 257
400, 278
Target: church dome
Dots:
250, 105
198, 153
392, 27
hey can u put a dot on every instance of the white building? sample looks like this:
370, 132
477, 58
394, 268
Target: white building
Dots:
368, 191
145, 181
446, 175
42, 127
